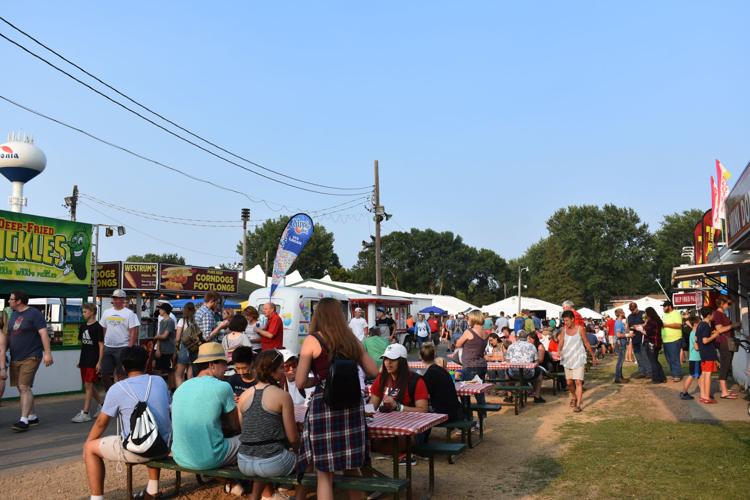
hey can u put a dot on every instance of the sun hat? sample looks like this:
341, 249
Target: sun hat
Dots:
119, 294
394, 351
210, 351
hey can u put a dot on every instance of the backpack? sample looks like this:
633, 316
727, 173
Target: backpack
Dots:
191, 337
144, 438
341, 390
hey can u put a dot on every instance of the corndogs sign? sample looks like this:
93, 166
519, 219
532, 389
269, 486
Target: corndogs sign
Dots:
188, 279
41, 249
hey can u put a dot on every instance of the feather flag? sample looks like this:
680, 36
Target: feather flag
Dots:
722, 190
714, 200
297, 233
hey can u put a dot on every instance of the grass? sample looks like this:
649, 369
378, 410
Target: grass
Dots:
637, 458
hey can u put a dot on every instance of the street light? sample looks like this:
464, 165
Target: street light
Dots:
521, 269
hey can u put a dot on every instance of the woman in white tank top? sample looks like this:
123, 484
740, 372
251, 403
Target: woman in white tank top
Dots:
573, 347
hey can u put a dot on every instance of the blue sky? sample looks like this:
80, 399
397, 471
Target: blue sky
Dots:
485, 116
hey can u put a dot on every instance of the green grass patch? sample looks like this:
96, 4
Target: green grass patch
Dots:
637, 458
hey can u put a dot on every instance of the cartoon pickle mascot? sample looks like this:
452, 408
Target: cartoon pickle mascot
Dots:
79, 246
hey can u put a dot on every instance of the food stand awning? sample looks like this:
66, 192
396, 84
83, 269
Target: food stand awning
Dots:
685, 273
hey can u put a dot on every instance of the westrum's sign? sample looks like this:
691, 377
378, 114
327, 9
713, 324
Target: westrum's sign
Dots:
176, 278
41, 249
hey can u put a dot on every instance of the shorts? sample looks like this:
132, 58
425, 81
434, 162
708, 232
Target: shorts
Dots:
89, 375
575, 373
282, 464
23, 372
694, 369
233, 446
112, 361
708, 366
163, 363
185, 357
111, 448
611, 339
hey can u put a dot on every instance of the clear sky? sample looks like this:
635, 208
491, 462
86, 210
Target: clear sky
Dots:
485, 116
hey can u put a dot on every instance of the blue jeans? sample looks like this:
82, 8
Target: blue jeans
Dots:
644, 367
421, 340
657, 372
621, 346
468, 373
672, 353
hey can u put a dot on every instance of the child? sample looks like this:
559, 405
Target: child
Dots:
694, 358
236, 336
707, 347
244, 375
91, 337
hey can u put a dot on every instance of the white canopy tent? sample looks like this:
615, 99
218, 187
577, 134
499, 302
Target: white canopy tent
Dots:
643, 303
448, 303
256, 276
587, 313
510, 307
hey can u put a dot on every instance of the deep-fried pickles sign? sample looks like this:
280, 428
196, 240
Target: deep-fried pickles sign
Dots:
34, 248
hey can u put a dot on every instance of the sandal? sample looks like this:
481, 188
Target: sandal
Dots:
707, 401
577, 409
729, 396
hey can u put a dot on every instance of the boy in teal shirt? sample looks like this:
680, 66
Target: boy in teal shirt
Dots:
694, 359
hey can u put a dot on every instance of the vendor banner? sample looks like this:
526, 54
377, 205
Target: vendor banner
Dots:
140, 276
188, 279
108, 276
41, 249
297, 233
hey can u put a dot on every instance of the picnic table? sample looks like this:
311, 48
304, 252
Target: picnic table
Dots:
393, 425
491, 365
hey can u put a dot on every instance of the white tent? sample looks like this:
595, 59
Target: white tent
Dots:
643, 303
587, 313
448, 303
256, 276
510, 307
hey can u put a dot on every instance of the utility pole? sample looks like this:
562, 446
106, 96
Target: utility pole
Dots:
379, 211
521, 269
71, 202
245, 219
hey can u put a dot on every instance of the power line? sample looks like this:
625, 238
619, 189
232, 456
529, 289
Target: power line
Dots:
131, 228
202, 148
267, 203
143, 106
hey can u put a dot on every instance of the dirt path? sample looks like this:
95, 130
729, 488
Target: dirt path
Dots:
516, 460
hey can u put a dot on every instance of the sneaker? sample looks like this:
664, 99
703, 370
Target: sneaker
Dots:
402, 460
539, 399
20, 427
676, 379
685, 396
81, 417
145, 495
33, 422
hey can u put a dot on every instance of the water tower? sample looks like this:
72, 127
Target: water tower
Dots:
20, 161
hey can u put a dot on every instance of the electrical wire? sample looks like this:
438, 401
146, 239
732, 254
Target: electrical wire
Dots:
268, 204
131, 228
202, 148
146, 108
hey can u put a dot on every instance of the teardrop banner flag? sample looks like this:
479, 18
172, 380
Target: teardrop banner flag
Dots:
297, 233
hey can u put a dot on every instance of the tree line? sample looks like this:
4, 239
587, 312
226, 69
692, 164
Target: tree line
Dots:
589, 255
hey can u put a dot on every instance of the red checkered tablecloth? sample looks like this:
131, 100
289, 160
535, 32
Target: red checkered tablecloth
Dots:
491, 365
418, 365
469, 389
387, 425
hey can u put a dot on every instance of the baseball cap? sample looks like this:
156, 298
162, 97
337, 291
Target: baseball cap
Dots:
210, 351
357, 309
381, 309
287, 354
119, 294
394, 351
667, 303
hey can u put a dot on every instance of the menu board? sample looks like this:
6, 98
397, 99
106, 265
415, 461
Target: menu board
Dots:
140, 276
175, 278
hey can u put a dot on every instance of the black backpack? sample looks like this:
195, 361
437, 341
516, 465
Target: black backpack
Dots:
341, 390
144, 438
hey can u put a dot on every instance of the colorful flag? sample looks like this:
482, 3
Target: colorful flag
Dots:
722, 189
714, 200
297, 233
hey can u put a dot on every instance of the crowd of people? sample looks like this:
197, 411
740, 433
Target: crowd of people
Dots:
219, 387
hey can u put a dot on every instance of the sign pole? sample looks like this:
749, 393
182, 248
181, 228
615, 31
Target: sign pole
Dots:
95, 271
378, 218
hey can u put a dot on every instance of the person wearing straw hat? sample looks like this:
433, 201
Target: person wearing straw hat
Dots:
201, 408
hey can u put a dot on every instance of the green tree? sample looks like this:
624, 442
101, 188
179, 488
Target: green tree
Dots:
675, 232
317, 259
554, 281
167, 258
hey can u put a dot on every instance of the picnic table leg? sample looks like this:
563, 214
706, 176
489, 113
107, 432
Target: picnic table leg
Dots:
408, 467
130, 480
177, 482
394, 453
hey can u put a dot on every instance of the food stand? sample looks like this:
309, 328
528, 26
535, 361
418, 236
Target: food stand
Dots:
49, 259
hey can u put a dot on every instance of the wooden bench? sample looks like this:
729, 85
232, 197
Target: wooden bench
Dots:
481, 409
352, 483
431, 450
463, 425
519, 393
